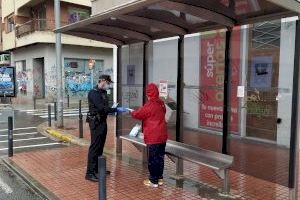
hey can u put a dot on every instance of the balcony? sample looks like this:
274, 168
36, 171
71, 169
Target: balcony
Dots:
36, 25
24, 4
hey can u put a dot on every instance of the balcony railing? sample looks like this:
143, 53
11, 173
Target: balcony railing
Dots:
36, 25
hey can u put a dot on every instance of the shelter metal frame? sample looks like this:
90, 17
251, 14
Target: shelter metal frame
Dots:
147, 20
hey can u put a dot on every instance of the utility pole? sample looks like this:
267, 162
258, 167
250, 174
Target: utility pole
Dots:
59, 82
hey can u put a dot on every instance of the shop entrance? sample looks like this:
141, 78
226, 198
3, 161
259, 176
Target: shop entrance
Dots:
38, 78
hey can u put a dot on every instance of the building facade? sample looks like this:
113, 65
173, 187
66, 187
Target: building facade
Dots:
4, 56
28, 36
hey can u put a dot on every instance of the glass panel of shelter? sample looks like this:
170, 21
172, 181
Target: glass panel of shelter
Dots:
261, 92
261, 80
132, 84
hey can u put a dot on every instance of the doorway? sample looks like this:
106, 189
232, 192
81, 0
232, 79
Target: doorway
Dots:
39, 78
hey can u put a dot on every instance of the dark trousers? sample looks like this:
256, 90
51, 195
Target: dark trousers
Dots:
98, 137
156, 154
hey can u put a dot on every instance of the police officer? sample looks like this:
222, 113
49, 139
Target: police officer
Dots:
98, 111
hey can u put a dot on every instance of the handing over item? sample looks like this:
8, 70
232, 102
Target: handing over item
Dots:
130, 110
122, 110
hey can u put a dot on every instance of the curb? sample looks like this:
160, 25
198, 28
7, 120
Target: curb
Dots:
61, 135
43, 192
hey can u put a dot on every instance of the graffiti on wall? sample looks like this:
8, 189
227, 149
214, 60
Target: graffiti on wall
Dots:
77, 84
50, 82
22, 80
79, 80
38, 80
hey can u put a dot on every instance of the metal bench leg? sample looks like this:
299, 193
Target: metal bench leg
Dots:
179, 167
226, 182
118, 146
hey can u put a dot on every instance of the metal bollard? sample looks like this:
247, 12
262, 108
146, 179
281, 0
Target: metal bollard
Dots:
68, 101
102, 177
10, 137
34, 102
80, 121
49, 115
55, 111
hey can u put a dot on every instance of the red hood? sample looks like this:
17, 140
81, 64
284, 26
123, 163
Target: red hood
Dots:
152, 91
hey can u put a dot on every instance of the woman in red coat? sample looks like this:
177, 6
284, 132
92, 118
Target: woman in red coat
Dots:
155, 134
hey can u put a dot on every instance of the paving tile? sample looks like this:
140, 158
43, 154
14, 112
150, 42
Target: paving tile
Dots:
62, 172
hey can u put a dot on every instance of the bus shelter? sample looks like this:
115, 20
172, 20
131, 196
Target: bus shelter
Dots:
193, 50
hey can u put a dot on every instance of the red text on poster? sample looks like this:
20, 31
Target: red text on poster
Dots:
212, 80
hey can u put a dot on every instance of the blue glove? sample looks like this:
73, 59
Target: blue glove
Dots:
121, 110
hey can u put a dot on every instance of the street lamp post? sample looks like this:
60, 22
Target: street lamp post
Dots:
59, 81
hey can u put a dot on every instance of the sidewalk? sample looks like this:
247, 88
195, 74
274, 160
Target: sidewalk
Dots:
62, 172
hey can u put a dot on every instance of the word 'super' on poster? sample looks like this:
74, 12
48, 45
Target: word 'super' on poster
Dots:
7, 82
212, 80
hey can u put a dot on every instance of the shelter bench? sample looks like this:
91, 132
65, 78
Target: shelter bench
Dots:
218, 162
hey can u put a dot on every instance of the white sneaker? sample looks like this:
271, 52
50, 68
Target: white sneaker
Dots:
150, 184
160, 182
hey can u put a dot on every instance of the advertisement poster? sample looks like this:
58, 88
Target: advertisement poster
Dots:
212, 80
163, 89
261, 73
7, 82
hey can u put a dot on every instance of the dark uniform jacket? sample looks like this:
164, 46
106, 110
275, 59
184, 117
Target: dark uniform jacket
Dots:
98, 103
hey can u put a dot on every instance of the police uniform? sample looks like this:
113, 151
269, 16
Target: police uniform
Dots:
98, 111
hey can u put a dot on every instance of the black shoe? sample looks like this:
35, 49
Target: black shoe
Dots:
107, 173
91, 177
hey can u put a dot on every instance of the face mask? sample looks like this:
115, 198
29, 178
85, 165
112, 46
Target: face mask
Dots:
106, 87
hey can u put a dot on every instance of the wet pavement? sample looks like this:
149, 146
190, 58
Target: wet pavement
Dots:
22, 119
25, 135
13, 188
25, 138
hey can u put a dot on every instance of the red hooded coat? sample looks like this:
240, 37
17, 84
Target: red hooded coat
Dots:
153, 116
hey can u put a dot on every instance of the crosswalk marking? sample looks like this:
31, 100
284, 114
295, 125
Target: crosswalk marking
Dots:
43, 113
46, 110
46, 113
5, 187
15, 129
31, 146
16, 134
65, 115
65, 111
27, 139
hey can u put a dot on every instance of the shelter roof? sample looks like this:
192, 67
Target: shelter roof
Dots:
145, 20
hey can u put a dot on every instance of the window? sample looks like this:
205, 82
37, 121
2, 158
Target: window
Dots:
41, 17
10, 24
77, 14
